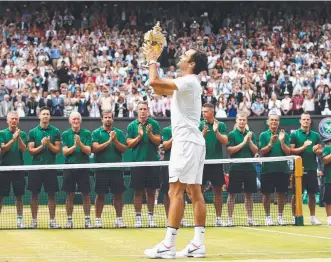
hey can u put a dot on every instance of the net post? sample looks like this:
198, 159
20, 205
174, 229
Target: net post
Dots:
298, 173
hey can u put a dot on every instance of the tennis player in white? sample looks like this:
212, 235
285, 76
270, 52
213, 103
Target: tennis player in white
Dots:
187, 153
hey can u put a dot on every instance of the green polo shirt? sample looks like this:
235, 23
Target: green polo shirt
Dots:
166, 136
145, 150
308, 157
110, 154
327, 168
214, 148
235, 138
276, 150
14, 156
77, 157
45, 156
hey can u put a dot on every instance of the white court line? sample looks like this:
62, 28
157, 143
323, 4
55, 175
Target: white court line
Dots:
286, 233
142, 255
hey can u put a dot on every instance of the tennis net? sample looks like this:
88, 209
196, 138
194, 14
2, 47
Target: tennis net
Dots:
120, 209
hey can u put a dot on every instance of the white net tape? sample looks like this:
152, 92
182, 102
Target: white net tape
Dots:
140, 164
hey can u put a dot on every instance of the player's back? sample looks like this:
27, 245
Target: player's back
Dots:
186, 110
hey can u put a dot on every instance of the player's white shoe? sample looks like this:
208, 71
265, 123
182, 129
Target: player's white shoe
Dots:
138, 223
151, 222
314, 221
219, 222
88, 224
252, 222
268, 221
98, 223
328, 221
184, 223
119, 222
53, 225
34, 224
20, 224
281, 221
230, 223
192, 250
161, 251
69, 225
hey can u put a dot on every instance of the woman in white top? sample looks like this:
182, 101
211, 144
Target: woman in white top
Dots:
220, 107
245, 106
274, 106
94, 106
308, 103
19, 106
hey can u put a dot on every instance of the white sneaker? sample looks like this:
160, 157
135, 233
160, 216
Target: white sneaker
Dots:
230, 223
151, 222
184, 223
53, 225
219, 223
98, 223
20, 224
328, 222
69, 225
138, 223
314, 221
281, 221
293, 220
252, 222
119, 223
161, 251
268, 221
88, 224
34, 224
192, 250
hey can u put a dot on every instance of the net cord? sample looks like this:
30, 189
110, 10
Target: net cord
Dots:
140, 164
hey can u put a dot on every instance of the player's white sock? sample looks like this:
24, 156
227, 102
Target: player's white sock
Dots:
199, 235
170, 237
19, 218
70, 219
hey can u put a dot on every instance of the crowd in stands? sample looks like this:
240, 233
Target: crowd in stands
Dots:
262, 57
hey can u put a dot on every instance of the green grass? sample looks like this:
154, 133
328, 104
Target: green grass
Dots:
237, 243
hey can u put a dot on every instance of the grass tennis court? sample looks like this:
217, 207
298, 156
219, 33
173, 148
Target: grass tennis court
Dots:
239, 243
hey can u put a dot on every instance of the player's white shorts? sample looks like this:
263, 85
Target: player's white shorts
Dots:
186, 162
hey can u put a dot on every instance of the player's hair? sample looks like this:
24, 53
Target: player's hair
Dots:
12, 113
45, 108
200, 60
208, 105
242, 114
142, 103
107, 112
73, 114
273, 115
305, 113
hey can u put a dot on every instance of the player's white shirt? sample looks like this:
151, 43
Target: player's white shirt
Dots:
186, 110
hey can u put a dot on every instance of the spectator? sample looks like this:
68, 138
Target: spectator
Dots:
308, 103
157, 107
220, 107
245, 106
83, 105
19, 106
297, 101
57, 104
5, 106
326, 101
121, 107
274, 105
94, 107
32, 104
258, 107
286, 104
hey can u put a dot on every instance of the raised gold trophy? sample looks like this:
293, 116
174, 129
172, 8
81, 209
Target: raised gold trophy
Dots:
154, 41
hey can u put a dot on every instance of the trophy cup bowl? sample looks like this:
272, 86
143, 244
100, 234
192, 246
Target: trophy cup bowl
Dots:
154, 39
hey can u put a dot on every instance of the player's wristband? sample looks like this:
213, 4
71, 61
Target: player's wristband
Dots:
152, 62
